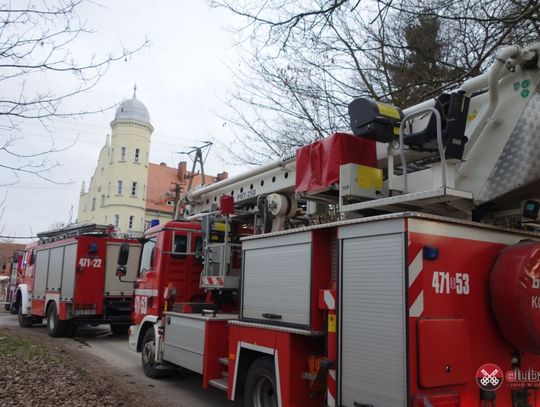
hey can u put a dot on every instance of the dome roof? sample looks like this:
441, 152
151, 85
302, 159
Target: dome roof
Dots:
132, 109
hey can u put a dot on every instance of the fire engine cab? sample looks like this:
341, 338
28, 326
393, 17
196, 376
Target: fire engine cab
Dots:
395, 266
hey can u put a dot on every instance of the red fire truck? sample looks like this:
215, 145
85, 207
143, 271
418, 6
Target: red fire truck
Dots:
397, 266
15, 266
68, 278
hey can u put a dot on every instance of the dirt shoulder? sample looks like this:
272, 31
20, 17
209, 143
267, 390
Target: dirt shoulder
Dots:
39, 371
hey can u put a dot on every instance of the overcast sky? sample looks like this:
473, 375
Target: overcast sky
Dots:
182, 78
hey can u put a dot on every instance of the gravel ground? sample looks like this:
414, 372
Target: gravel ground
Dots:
37, 371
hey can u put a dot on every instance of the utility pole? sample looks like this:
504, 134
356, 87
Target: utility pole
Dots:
197, 158
196, 154
176, 190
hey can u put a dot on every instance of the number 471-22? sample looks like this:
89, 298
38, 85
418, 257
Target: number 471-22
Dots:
444, 283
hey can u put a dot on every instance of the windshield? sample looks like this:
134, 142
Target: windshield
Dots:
147, 255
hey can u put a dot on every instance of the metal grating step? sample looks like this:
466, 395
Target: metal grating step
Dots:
219, 383
224, 361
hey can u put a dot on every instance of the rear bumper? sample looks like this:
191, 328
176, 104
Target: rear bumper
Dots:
117, 310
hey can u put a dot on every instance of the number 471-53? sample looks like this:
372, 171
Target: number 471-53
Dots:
445, 283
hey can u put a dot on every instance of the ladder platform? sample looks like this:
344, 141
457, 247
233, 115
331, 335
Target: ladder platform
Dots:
433, 197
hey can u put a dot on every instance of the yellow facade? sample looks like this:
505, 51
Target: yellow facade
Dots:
117, 191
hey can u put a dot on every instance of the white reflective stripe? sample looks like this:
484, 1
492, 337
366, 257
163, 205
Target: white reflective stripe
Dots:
278, 381
329, 300
331, 402
146, 291
235, 370
418, 306
331, 398
166, 292
415, 268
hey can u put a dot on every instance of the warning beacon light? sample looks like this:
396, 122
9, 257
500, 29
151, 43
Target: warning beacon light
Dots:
375, 120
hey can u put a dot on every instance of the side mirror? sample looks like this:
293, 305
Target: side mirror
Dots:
123, 255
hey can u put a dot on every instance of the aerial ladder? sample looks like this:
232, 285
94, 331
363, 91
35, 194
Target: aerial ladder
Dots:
468, 154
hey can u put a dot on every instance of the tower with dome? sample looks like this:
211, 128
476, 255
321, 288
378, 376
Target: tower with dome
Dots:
117, 191
127, 190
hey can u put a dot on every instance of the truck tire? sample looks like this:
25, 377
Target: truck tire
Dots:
150, 367
55, 327
260, 389
24, 320
14, 309
120, 329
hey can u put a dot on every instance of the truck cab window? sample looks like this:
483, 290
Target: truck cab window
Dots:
147, 254
180, 246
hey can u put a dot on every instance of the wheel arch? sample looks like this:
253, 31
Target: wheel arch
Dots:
23, 297
246, 355
148, 322
48, 303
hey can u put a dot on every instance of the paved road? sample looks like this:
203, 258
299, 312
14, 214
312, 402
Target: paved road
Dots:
184, 389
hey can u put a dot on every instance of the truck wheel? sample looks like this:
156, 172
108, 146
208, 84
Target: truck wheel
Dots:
14, 309
148, 356
55, 327
120, 329
24, 320
260, 389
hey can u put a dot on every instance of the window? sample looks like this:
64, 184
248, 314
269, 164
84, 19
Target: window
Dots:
123, 153
105, 220
93, 204
131, 221
134, 188
102, 201
116, 220
147, 257
109, 188
137, 155
146, 225
180, 245
120, 187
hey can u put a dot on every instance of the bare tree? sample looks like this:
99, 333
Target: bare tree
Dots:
305, 61
36, 47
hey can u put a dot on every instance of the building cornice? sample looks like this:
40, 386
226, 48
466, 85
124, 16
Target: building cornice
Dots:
132, 122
